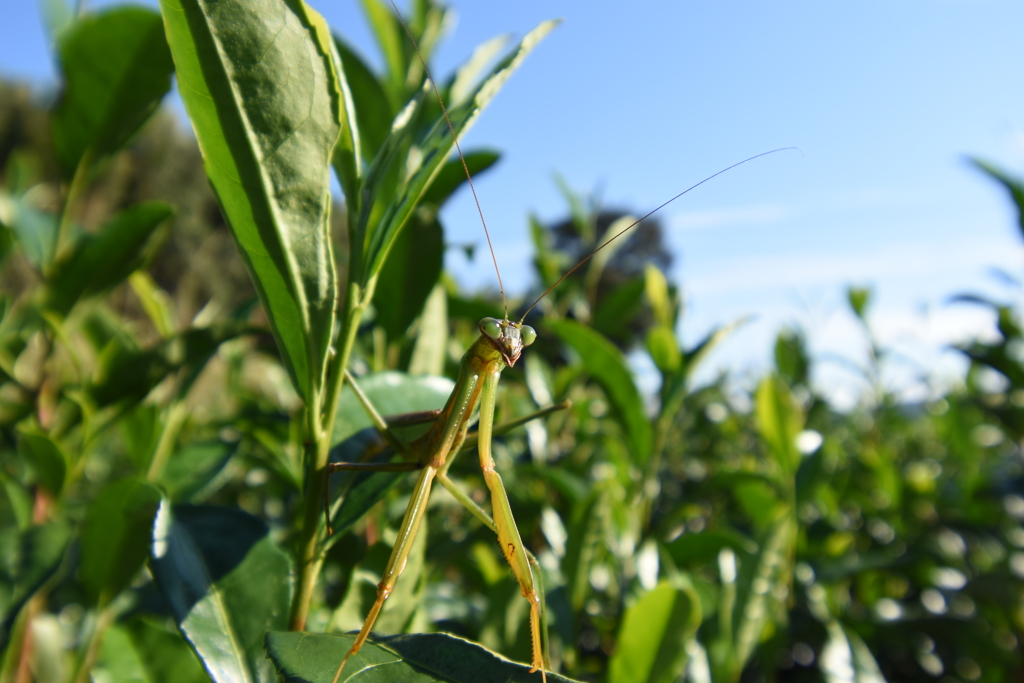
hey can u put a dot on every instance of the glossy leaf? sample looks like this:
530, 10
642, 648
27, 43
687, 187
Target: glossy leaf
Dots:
116, 537
265, 102
419, 658
226, 584
108, 93
606, 364
27, 560
101, 261
652, 639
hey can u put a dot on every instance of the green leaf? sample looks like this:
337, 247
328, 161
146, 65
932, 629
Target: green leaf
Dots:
431, 348
46, 459
656, 288
419, 658
606, 364
791, 358
108, 93
264, 99
664, 349
163, 653
116, 537
859, 299
779, 421
27, 560
762, 587
373, 109
703, 548
132, 373
391, 393
652, 638
1013, 185
408, 276
226, 584
616, 310
452, 175
194, 470
35, 231
433, 150
846, 658
101, 261
694, 356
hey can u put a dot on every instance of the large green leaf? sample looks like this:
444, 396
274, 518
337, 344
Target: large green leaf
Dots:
422, 658
652, 639
226, 584
117, 68
27, 559
1012, 184
606, 364
101, 261
115, 537
259, 83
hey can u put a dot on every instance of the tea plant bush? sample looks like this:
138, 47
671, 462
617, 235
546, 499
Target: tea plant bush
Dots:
167, 408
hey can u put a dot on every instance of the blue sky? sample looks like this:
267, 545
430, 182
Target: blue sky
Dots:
639, 100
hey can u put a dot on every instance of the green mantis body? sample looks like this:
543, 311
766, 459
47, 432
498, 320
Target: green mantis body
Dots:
498, 346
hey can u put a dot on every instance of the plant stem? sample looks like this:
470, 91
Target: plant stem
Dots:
92, 652
320, 428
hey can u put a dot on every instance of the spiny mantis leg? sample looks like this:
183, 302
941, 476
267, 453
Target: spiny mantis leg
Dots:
508, 534
410, 524
454, 430
482, 516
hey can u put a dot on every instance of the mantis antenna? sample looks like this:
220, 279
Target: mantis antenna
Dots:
642, 219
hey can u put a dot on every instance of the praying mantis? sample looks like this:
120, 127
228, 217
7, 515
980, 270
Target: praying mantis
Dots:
499, 345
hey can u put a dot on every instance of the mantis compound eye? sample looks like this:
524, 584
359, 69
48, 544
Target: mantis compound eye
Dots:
491, 327
528, 335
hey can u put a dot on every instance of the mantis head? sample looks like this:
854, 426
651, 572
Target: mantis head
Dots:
508, 338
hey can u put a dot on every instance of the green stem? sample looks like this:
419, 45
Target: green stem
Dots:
320, 428
176, 414
92, 652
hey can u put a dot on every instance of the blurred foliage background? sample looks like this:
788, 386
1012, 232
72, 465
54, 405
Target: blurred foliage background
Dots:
739, 530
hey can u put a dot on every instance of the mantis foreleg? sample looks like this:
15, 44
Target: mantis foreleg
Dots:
508, 534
